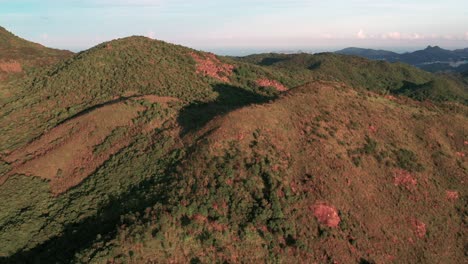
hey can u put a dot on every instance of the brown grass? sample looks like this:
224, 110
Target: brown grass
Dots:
10, 66
211, 66
271, 83
65, 155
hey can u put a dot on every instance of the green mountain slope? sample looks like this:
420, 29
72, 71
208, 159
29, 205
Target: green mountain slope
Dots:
142, 151
120, 69
378, 76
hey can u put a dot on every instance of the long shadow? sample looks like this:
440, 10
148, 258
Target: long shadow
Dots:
271, 60
94, 107
230, 98
79, 236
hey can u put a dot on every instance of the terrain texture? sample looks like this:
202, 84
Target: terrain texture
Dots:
140, 151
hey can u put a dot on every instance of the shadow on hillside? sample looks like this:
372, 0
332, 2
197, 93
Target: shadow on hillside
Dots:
315, 66
79, 236
271, 60
230, 98
94, 107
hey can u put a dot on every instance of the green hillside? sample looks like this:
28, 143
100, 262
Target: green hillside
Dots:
140, 151
120, 69
378, 76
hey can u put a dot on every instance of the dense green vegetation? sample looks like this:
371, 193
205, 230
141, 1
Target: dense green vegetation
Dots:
377, 76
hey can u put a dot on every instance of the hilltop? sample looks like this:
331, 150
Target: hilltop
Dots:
138, 150
127, 67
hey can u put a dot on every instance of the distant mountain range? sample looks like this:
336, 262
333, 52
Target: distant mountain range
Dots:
433, 58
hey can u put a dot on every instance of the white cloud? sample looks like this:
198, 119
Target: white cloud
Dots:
466, 36
361, 34
416, 36
151, 34
392, 35
44, 36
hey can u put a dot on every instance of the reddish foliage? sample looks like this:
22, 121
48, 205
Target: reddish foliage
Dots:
404, 178
229, 182
263, 228
275, 168
390, 97
419, 228
372, 129
271, 83
199, 218
280, 193
452, 195
212, 67
465, 142
326, 215
294, 187
460, 154
218, 227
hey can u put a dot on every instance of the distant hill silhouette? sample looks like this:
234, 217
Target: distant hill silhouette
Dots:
433, 58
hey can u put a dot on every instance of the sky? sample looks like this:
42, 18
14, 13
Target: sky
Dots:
243, 26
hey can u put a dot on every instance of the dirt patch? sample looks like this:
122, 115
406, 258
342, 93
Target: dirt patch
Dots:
452, 196
326, 215
10, 66
405, 179
419, 228
271, 83
211, 66
372, 129
65, 155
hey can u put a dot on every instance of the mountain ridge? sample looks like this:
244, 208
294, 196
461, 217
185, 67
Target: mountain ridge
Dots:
18, 55
427, 59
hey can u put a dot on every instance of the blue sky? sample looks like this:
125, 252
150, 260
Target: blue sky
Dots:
224, 25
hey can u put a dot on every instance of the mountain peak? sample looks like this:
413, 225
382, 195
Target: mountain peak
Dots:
433, 48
